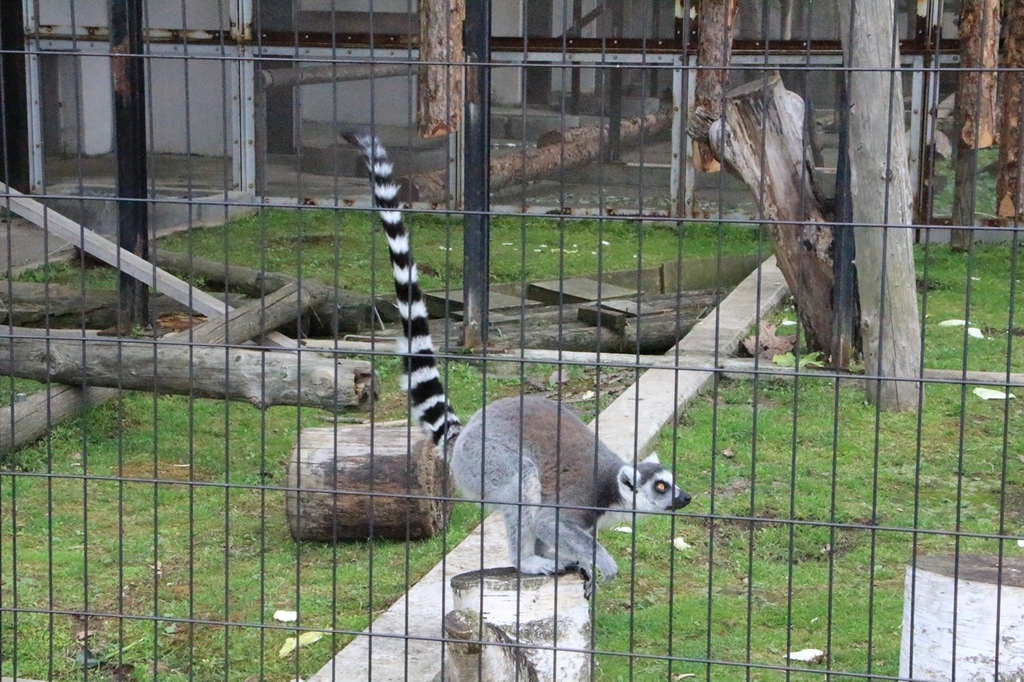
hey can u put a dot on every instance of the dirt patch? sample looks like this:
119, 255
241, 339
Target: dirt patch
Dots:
164, 471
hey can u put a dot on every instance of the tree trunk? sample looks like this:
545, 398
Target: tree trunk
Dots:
715, 22
174, 365
890, 327
513, 169
975, 108
762, 141
440, 91
1010, 185
359, 482
262, 378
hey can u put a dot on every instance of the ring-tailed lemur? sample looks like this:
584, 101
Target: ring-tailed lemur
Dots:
531, 459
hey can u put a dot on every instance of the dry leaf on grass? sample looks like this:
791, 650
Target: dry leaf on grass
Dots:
305, 639
767, 344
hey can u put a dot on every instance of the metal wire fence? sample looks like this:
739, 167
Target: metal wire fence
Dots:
776, 244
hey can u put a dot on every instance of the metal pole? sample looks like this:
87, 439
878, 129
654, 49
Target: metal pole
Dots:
844, 296
128, 70
14, 158
477, 159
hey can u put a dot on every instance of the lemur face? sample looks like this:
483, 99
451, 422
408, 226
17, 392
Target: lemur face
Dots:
650, 487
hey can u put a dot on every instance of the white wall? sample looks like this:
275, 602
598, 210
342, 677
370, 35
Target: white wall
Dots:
393, 101
86, 106
203, 105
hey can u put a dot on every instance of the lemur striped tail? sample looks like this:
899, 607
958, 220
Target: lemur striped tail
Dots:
420, 378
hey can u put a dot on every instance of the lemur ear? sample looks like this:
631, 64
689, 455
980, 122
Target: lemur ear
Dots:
627, 478
652, 459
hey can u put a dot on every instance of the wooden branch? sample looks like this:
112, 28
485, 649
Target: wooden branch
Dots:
1010, 184
26, 421
762, 142
125, 261
716, 20
440, 94
514, 169
975, 109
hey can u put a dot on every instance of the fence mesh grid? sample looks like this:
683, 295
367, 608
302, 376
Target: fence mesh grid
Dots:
778, 244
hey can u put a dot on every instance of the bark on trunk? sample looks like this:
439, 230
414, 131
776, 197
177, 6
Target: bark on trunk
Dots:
890, 328
173, 365
513, 169
715, 20
440, 84
975, 108
358, 482
1010, 185
762, 142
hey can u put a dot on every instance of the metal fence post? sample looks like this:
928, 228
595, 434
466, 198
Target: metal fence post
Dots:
477, 161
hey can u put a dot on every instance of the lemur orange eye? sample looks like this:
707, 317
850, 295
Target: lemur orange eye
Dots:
661, 486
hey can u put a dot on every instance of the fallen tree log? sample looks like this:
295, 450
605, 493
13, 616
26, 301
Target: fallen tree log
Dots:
652, 334
511, 169
339, 311
25, 421
263, 378
35, 304
190, 364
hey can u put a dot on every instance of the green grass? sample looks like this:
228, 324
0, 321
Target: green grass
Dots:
345, 248
164, 518
807, 500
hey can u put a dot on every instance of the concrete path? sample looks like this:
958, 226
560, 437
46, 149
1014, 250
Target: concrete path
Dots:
404, 643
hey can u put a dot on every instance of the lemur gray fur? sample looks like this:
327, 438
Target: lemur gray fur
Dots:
554, 482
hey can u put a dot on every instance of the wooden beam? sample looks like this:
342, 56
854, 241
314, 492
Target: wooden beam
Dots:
106, 251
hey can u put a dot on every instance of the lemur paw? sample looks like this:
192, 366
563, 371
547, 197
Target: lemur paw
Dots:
537, 565
607, 567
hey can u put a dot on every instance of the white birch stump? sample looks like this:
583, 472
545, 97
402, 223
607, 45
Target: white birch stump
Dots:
985, 640
501, 616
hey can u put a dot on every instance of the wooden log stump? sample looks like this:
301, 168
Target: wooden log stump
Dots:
963, 618
359, 481
530, 627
